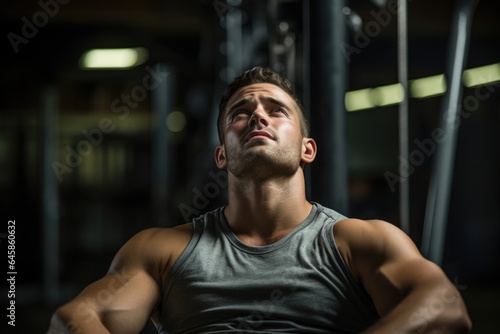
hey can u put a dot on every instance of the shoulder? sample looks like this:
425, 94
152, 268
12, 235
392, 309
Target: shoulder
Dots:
370, 243
369, 233
158, 238
154, 249
152, 236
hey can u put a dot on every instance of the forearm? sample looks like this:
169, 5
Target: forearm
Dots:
433, 309
73, 320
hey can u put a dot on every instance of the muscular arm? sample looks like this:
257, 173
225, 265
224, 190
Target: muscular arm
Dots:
411, 294
124, 299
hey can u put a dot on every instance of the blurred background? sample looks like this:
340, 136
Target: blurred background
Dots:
107, 127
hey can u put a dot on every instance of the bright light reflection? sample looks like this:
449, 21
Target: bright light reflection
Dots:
113, 58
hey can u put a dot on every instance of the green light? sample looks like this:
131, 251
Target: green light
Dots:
387, 95
483, 75
358, 100
428, 86
176, 121
113, 58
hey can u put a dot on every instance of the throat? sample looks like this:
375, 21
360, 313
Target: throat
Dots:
260, 227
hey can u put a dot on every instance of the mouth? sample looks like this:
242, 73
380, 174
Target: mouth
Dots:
258, 135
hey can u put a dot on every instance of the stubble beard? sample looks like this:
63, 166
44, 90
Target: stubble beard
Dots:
263, 161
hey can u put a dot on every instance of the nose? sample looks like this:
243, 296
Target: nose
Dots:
258, 118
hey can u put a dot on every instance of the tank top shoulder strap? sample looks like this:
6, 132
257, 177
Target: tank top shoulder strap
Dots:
199, 226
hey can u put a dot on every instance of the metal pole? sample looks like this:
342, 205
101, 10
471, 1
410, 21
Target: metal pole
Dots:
436, 215
328, 114
50, 195
272, 30
162, 103
234, 42
404, 187
306, 78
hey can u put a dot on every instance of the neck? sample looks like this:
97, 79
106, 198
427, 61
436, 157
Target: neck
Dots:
261, 212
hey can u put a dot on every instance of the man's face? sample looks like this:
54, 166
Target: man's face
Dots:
262, 133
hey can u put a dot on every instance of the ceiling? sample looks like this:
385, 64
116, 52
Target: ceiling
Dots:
187, 34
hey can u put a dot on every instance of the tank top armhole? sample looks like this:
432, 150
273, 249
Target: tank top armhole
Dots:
177, 267
329, 236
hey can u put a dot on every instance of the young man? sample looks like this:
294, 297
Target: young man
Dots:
270, 260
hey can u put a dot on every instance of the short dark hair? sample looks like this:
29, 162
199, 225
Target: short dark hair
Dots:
253, 76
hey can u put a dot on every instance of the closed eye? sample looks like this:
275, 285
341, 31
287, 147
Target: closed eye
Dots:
279, 110
238, 113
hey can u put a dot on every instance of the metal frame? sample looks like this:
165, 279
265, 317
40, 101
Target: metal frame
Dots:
438, 200
328, 115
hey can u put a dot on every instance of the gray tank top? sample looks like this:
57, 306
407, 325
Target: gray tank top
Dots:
299, 284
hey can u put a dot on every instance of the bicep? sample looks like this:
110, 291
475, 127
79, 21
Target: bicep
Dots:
395, 280
392, 267
124, 299
122, 302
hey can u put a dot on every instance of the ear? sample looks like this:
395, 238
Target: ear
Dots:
309, 150
220, 156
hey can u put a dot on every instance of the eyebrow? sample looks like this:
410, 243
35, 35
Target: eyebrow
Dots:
248, 100
276, 101
242, 102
